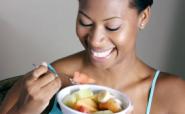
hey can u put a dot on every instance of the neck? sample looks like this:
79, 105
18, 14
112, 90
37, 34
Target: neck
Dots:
132, 67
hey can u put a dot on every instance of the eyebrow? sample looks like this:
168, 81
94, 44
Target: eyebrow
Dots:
81, 12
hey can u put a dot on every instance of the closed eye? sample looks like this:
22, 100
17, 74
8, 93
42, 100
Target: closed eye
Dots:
85, 25
112, 29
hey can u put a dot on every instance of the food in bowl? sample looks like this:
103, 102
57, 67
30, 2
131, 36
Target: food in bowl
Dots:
68, 96
94, 102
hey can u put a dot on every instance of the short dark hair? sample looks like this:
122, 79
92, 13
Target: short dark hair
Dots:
140, 5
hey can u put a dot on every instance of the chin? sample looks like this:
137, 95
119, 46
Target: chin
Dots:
102, 63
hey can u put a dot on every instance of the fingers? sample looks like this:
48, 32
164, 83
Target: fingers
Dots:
38, 78
41, 76
37, 88
43, 87
31, 77
39, 71
51, 88
44, 80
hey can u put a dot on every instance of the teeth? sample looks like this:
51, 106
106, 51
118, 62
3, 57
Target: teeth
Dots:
101, 53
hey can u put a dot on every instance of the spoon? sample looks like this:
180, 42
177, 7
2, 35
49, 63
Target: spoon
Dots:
52, 69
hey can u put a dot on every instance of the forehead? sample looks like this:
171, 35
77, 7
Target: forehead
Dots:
104, 8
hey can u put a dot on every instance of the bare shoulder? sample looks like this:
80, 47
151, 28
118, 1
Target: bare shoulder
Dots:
170, 91
69, 64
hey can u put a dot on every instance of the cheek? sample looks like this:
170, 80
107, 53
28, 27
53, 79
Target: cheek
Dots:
82, 33
125, 38
120, 38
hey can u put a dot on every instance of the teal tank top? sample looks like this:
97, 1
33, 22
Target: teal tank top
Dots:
56, 108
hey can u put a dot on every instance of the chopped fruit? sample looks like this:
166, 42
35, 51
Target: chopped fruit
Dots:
82, 109
70, 100
83, 93
86, 105
111, 105
103, 96
87, 101
82, 78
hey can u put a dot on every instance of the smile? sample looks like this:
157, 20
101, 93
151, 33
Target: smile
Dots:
101, 53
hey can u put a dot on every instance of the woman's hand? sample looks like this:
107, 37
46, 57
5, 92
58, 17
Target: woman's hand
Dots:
37, 89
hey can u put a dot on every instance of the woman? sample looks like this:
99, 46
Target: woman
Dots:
108, 31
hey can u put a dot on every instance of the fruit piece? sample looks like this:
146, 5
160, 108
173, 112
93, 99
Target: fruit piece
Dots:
103, 96
82, 78
111, 105
83, 93
70, 100
82, 109
86, 105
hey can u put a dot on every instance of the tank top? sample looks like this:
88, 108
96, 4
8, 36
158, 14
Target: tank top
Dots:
56, 108
151, 94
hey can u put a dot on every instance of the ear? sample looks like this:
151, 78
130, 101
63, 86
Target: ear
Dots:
144, 18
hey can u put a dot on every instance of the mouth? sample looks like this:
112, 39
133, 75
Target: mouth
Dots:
101, 54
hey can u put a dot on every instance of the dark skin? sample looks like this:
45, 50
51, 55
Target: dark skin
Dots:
108, 31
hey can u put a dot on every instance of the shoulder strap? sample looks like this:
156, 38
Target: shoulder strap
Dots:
152, 92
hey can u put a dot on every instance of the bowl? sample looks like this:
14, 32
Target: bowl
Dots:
126, 102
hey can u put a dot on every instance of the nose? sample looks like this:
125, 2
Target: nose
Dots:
96, 37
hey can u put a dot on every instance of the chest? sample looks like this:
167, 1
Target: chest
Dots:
140, 107
138, 97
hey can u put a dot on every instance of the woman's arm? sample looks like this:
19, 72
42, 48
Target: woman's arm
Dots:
11, 97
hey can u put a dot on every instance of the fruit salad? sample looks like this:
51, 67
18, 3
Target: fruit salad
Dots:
93, 102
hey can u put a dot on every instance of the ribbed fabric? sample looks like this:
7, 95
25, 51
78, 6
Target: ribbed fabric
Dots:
148, 108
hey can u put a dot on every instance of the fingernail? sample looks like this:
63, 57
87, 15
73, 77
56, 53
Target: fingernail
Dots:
44, 64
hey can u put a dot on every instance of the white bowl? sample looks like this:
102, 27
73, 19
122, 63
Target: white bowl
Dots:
68, 90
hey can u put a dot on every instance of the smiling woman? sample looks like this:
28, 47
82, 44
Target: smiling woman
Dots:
108, 30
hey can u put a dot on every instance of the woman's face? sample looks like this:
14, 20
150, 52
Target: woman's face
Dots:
107, 29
